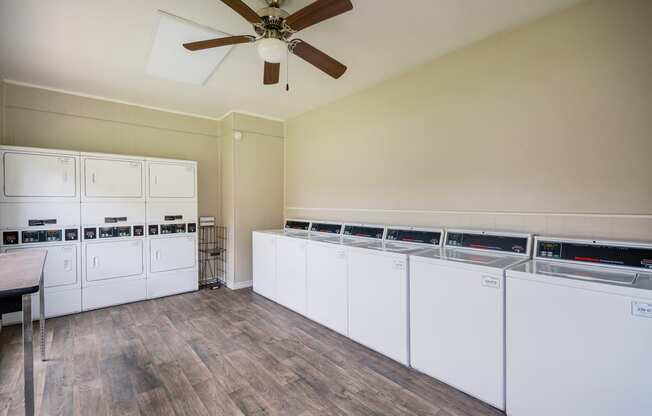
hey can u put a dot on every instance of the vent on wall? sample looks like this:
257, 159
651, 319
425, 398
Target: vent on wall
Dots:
168, 58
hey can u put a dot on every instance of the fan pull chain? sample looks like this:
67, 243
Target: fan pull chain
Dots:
287, 70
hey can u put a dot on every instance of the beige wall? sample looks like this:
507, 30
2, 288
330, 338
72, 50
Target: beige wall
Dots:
41, 118
546, 128
252, 186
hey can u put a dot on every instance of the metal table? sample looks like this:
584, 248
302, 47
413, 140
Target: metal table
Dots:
21, 274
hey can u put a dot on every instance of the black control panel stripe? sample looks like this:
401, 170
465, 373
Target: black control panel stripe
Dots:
596, 253
326, 228
297, 225
413, 236
364, 231
492, 242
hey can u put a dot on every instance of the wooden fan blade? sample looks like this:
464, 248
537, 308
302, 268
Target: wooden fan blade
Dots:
317, 12
318, 58
271, 74
214, 43
243, 10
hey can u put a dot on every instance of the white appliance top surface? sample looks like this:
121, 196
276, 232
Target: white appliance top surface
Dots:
409, 249
597, 274
473, 257
335, 239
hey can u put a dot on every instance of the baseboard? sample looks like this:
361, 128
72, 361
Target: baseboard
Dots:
240, 285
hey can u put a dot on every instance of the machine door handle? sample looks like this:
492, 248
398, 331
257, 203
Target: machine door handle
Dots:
67, 265
94, 262
157, 254
155, 179
65, 176
93, 177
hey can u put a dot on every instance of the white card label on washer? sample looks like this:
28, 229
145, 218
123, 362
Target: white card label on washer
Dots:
642, 309
491, 282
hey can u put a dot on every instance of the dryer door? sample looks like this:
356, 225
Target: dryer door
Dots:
172, 180
172, 253
114, 259
60, 265
28, 176
111, 178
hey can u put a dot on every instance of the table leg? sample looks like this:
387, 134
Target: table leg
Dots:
28, 352
42, 317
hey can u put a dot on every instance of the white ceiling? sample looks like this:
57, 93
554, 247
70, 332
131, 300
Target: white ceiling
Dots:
101, 47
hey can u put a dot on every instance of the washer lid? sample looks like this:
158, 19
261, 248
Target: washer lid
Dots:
602, 274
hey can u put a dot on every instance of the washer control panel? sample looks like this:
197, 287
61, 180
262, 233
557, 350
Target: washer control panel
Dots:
596, 252
165, 229
488, 241
92, 233
432, 238
15, 237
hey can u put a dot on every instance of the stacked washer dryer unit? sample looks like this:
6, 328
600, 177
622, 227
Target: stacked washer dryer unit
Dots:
378, 286
579, 329
40, 210
457, 310
113, 230
172, 252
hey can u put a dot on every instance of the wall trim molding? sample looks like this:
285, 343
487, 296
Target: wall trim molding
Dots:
454, 212
99, 97
240, 285
249, 113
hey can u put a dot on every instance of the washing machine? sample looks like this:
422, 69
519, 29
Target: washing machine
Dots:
172, 259
55, 228
267, 260
457, 310
579, 329
327, 277
378, 285
113, 254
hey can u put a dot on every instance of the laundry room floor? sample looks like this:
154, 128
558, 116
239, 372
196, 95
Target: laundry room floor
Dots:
214, 353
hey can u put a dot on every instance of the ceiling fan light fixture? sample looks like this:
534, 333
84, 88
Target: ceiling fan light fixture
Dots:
272, 50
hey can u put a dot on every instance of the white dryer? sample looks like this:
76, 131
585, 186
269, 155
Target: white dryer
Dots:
579, 329
55, 228
327, 277
39, 175
457, 310
172, 249
267, 260
113, 254
378, 285
112, 178
171, 180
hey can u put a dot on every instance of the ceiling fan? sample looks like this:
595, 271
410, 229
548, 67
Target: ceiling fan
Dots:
275, 27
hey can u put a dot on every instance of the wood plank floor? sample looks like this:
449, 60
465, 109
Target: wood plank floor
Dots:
214, 353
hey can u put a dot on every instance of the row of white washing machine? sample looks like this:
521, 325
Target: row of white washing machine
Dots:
567, 333
128, 233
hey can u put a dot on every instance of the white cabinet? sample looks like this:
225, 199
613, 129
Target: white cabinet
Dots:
378, 302
171, 180
113, 213
291, 273
110, 178
171, 212
264, 264
38, 214
457, 330
113, 260
172, 253
33, 175
326, 284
